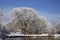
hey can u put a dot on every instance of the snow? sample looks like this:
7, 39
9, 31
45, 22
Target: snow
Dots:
34, 35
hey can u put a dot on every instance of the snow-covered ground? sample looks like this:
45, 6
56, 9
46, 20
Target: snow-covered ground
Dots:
18, 34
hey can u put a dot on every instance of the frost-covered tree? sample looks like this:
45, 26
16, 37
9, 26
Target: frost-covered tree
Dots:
28, 20
57, 26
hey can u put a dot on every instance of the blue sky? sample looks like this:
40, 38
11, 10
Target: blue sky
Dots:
47, 8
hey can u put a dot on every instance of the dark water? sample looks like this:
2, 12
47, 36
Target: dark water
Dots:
45, 38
